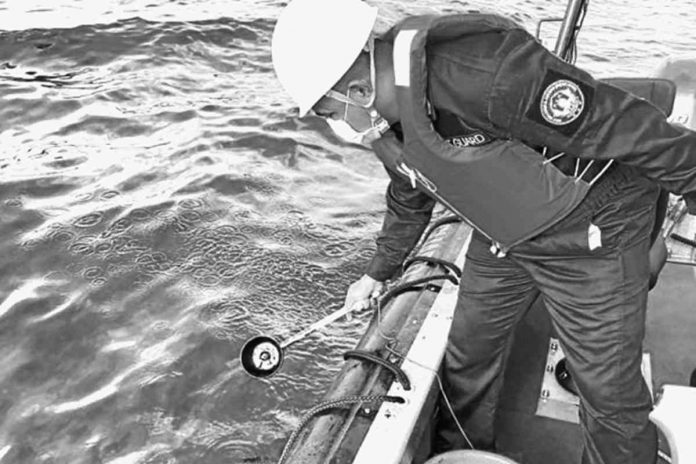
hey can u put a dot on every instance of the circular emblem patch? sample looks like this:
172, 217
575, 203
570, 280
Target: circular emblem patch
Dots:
562, 102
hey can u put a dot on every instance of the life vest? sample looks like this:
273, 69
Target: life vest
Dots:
505, 189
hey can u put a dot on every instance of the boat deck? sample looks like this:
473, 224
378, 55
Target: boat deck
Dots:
531, 439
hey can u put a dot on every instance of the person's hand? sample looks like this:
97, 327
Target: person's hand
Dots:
361, 291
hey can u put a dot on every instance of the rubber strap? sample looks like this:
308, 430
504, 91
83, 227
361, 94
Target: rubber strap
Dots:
362, 355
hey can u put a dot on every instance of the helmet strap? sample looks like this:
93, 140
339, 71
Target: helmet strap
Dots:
373, 70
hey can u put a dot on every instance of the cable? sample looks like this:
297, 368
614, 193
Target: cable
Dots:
411, 284
448, 265
570, 54
393, 292
331, 404
451, 219
404, 357
442, 392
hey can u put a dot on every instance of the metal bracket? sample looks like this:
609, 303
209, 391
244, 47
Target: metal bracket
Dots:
555, 401
545, 20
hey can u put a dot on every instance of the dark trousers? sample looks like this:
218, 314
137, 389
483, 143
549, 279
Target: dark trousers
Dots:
596, 299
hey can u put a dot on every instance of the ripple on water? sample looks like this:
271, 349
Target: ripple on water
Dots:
225, 318
60, 162
105, 125
89, 220
103, 247
338, 249
191, 216
179, 225
81, 248
154, 262
93, 272
109, 194
118, 226
140, 215
61, 235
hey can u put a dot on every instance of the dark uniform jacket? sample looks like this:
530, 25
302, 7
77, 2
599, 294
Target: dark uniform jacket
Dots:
489, 86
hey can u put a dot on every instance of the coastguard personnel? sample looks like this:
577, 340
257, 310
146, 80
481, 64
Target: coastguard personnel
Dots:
557, 172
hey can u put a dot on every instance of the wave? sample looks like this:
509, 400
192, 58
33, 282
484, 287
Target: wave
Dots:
129, 78
95, 45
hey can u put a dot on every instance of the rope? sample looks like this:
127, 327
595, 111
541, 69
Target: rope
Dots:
331, 404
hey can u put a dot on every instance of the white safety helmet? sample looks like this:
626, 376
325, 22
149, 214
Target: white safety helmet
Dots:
314, 44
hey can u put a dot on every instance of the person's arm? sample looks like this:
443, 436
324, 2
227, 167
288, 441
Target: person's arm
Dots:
542, 100
407, 216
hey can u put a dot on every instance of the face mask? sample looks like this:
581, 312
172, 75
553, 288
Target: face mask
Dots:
346, 132
378, 125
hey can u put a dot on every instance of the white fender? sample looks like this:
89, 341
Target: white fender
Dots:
675, 416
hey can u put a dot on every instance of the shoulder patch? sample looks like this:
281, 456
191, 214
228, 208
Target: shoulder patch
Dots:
562, 103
